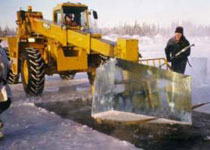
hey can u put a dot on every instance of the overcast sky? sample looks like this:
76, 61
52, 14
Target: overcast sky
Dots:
116, 12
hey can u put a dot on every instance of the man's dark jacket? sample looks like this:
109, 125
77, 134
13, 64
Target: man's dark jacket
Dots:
172, 48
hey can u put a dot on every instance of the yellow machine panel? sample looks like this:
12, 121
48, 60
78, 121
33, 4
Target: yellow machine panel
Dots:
50, 30
72, 63
13, 53
127, 49
79, 39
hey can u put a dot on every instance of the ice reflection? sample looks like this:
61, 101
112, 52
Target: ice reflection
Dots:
199, 70
200, 82
141, 90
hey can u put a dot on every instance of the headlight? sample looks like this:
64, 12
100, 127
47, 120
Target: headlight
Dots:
31, 40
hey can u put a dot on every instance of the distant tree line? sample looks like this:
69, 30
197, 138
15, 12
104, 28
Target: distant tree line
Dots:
6, 31
146, 29
135, 29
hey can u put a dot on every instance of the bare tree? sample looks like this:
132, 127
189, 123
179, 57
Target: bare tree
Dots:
6, 31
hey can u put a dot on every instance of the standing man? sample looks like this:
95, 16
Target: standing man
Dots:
174, 46
5, 91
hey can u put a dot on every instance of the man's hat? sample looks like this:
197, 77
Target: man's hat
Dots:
179, 29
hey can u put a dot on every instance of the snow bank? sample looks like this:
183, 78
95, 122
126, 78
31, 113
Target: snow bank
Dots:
28, 127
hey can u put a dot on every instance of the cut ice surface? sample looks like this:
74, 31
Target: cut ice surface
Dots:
136, 92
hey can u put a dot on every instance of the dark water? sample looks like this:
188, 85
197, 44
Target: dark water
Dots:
146, 136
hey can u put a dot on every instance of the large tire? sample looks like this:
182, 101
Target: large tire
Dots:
11, 77
32, 72
67, 75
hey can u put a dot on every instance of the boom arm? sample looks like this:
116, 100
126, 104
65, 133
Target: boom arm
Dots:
124, 48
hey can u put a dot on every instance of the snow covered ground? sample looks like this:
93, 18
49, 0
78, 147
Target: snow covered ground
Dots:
28, 127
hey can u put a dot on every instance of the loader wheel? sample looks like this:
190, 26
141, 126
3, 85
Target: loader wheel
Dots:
32, 72
11, 77
67, 75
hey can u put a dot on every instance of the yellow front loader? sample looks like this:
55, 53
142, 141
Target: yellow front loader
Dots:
53, 47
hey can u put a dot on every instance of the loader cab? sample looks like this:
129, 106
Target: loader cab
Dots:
78, 13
